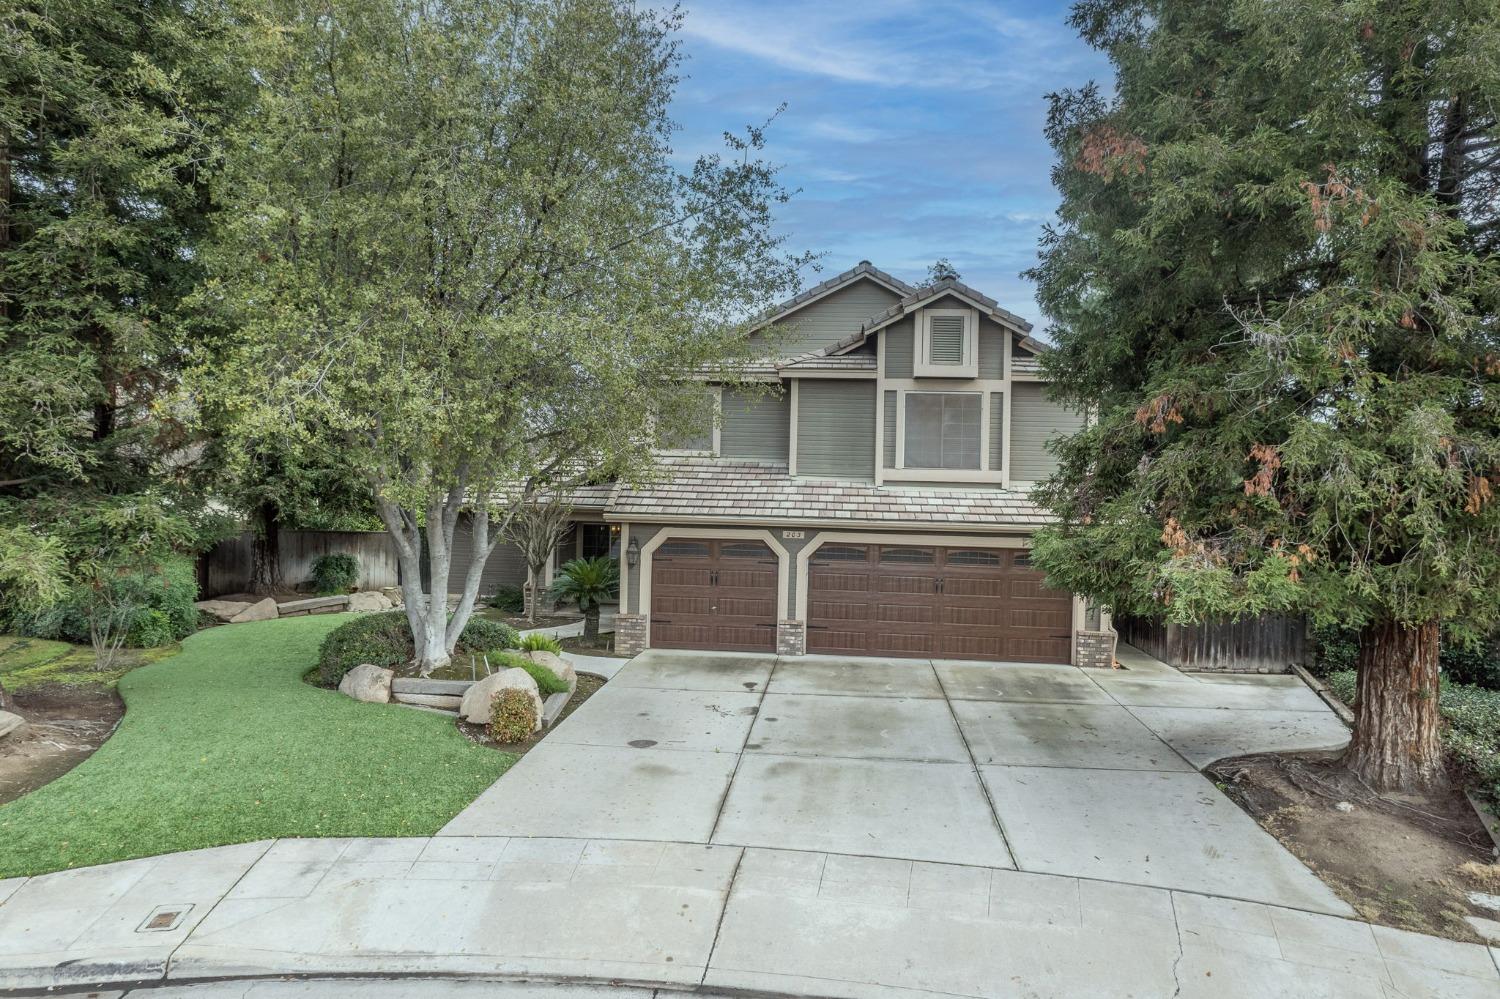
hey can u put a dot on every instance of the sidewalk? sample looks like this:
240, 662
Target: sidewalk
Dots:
688, 916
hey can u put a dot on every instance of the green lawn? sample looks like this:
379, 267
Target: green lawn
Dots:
223, 743
35, 662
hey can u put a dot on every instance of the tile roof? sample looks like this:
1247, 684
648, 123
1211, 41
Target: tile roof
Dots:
719, 490
822, 362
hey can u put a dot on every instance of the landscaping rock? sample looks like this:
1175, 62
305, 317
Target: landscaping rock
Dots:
369, 602
263, 610
11, 724
367, 682
475, 707
223, 610
558, 665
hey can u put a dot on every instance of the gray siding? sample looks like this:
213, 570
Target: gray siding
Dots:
1035, 419
831, 318
836, 429
898, 348
505, 567
991, 349
997, 428
888, 446
755, 425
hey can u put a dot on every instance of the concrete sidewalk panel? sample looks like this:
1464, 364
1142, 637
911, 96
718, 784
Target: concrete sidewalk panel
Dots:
869, 728
1100, 736
1169, 830
881, 808
586, 792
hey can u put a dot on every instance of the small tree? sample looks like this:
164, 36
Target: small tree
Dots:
942, 269
33, 574
588, 582
537, 525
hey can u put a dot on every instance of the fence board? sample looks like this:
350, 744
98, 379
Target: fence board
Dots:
226, 568
1268, 644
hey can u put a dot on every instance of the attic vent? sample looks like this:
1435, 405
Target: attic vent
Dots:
946, 343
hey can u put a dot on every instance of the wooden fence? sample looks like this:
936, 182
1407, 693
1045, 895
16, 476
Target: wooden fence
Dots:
226, 568
1268, 644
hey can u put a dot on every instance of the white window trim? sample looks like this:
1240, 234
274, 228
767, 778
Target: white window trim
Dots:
922, 367
982, 473
713, 451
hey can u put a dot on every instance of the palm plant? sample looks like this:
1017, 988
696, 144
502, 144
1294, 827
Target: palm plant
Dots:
588, 582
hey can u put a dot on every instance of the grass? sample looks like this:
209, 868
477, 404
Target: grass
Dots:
26, 663
223, 743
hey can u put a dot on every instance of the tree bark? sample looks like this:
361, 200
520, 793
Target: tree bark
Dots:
591, 624
265, 548
1396, 744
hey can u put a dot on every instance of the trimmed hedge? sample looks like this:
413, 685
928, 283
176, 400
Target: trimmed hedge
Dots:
385, 640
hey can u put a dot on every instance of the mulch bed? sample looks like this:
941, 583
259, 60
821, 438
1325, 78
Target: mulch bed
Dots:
1400, 860
604, 645
587, 685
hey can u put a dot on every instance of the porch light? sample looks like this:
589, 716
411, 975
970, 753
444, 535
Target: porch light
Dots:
633, 553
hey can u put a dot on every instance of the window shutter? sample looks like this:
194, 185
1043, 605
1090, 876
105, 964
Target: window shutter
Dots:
945, 339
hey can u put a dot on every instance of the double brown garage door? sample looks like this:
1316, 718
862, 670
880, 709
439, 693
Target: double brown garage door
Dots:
958, 603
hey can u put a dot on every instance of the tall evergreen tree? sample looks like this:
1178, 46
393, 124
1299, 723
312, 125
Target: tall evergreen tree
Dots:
1275, 279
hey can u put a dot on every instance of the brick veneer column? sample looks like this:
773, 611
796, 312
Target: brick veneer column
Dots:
1094, 649
791, 638
630, 634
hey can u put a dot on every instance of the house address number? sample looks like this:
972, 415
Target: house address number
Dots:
794, 535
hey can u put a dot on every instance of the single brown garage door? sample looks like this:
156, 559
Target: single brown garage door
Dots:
714, 595
948, 603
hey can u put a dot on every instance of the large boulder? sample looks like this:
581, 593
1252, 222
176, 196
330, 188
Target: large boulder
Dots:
558, 665
223, 611
261, 610
478, 699
367, 682
369, 601
11, 724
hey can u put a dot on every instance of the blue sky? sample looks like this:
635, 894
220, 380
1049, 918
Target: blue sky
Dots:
914, 129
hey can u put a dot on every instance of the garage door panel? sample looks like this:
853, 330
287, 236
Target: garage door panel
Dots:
714, 594
836, 611
842, 582
888, 613
962, 603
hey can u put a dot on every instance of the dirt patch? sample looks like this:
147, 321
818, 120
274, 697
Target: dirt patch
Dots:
1400, 860
520, 623
604, 645
587, 685
66, 725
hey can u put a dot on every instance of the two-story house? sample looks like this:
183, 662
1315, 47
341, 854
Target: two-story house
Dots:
871, 501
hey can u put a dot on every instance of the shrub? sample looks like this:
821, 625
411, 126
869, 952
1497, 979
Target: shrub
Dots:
385, 640
155, 602
511, 599
512, 716
336, 573
1338, 649
1334, 649
538, 642
547, 682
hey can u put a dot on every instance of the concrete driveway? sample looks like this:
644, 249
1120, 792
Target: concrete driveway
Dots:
1039, 768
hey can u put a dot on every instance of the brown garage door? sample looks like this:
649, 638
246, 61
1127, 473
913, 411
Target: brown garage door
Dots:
714, 595
952, 603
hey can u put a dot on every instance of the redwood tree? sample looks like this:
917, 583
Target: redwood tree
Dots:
1274, 276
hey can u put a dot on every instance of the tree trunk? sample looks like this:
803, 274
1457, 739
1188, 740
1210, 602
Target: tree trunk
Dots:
591, 624
1396, 745
265, 548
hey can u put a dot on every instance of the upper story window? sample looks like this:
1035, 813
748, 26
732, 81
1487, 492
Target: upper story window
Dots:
947, 344
942, 430
695, 429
